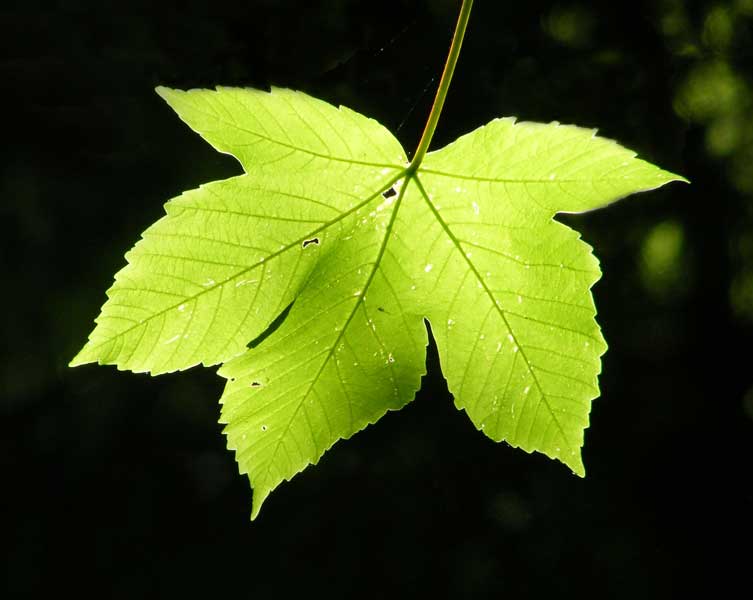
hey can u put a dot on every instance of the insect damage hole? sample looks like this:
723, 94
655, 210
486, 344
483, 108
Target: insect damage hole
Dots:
255, 384
388, 193
310, 242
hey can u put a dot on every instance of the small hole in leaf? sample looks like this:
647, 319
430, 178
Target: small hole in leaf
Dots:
311, 241
255, 384
389, 193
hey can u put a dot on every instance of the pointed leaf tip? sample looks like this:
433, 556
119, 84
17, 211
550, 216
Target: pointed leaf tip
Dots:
82, 357
259, 495
576, 466
163, 91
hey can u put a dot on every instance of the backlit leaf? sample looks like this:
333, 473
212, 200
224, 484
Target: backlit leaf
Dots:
329, 221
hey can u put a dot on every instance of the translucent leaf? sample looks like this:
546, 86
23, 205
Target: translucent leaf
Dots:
329, 221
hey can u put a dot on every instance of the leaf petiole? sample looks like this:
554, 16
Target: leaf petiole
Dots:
444, 86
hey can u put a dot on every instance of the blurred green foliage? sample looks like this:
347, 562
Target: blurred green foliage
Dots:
716, 92
663, 265
571, 25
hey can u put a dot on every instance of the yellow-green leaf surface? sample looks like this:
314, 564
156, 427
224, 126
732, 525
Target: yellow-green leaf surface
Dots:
329, 220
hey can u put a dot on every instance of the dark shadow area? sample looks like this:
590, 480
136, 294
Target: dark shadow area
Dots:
278, 320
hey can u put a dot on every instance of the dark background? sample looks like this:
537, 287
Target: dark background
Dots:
120, 484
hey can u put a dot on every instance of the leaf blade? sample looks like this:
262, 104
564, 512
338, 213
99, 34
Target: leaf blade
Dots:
338, 363
331, 228
538, 157
282, 126
198, 269
510, 303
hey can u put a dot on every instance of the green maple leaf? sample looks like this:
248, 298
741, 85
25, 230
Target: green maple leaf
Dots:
330, 219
